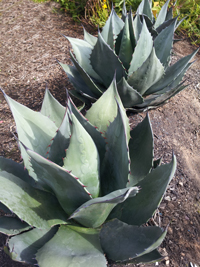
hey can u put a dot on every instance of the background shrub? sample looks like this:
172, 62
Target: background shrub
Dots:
191, 25
97, 11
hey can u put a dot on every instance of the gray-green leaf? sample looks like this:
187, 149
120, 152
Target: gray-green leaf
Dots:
12, 226
94, 212
142, 49
82, 158
36, 207
68, 190
122, 242
103, 56
23, 247
52, 109
146, 75
72, 246
139, 210
141, 151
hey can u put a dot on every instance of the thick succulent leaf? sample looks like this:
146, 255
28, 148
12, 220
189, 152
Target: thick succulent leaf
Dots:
148, 103
179, 22
52, 109
31, 126
163, 95
128, 95
89, 38
169, 14
37, 182
82, 50
162, 15
131, 29
165, 24
142, 50
118, 43
145, 9
88, 81
76, 79
150, 25
36, 207
94, 212
124, 11
141, 151
60, 142
107, 32
32, 129
171, 74
92, 99
163, 43
139, 209
140, 8
105, 62
105, 109
115, 166
159, 100
68, 190
122, 242
12, 226
23, 247
72, 246
157, 162
149, 73
171, 88
137, 26
82, 97
154, 101
153, 256
82, 158
92, 131
4, 209
126, 50
16, 169
112, 28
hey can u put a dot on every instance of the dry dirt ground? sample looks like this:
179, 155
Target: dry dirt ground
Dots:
30, 41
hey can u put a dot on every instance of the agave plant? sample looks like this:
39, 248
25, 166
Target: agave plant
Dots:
138, 50
86, 187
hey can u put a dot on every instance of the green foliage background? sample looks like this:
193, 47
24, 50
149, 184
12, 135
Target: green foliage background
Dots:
97, 12
191, 25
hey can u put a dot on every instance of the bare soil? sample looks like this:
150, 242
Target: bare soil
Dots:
30, 42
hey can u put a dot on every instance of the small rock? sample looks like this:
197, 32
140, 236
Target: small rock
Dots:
167, 262
170, 230
180, 183
168, 198
164, 253
162, 206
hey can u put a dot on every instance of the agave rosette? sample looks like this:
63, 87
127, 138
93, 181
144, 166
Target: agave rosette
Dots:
85, 188
138, 50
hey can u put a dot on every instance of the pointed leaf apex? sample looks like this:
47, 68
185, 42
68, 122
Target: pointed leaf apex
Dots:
3, 92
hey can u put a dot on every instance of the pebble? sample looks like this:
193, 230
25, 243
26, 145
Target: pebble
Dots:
168, 198
170, 231
162, 206
180, 183
167, 262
